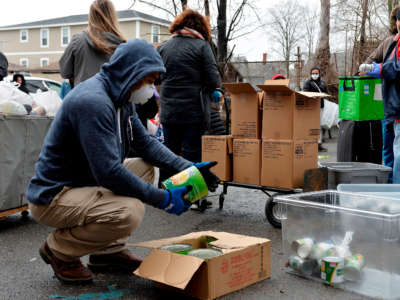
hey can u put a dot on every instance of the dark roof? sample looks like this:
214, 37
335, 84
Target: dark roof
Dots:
123, 14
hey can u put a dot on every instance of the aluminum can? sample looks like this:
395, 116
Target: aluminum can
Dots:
304, 266
332, 269
177, 248
303, 247
190, 176
353, 267
205, 254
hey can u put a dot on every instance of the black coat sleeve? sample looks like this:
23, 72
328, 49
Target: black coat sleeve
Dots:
307, 86
3, 66
212, 78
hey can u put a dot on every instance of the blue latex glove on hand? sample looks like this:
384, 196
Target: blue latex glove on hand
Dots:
210, 178
174, 202
376, 72
216, 96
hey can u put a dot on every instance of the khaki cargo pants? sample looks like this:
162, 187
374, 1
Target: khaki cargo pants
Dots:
93, 219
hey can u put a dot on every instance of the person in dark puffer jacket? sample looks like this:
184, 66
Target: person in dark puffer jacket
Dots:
190, 69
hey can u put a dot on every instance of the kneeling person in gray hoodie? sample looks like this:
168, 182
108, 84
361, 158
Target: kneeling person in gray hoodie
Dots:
84, 187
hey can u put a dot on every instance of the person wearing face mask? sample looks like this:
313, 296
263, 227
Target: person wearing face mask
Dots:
317, 85
83, 185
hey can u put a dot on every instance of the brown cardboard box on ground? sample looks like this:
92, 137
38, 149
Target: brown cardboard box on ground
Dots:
245, 260
245, 113
288, 114
284, 162
218, 148
246, 161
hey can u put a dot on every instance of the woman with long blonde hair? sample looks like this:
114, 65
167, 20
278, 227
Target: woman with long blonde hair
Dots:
89, 49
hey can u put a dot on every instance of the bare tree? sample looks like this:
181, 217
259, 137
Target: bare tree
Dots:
285, 28
310, 30
322, 53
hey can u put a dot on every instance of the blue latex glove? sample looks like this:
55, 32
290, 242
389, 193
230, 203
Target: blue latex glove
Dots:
376, 72
174, 202
210, 178
216, 96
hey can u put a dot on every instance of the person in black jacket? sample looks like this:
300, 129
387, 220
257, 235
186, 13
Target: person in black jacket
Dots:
20, 79
317, 85
191, 71
3, 66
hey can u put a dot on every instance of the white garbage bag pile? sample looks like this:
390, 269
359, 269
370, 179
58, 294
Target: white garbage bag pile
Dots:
15, 102
329, 115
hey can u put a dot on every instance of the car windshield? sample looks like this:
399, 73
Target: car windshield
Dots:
33, 85
54, 86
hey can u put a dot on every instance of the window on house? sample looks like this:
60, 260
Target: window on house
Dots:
44, 62
65, 34
155, 34
23, 36
44, 37
24, 62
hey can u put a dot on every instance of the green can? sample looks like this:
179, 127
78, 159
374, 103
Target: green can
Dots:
177, 248
190, 176
353, 267
332, 269
205, 253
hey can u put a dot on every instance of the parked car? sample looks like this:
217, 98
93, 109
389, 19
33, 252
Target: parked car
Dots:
33, 84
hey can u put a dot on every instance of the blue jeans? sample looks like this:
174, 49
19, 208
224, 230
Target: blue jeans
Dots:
396, 152
387, 151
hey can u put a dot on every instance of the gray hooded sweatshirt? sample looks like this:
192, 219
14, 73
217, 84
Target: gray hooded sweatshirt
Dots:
81, 59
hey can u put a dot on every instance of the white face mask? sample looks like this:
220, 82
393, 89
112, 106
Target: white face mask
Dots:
315, 76
142, 95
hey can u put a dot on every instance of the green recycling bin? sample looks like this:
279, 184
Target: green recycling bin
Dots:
360, 98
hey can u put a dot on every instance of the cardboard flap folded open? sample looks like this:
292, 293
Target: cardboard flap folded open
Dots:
169, 268
238, 88
224, 240
276, 86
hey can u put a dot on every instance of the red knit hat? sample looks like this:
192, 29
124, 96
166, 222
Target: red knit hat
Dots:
278, 76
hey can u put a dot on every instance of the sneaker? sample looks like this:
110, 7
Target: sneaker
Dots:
120, 261
321, 148
66, 271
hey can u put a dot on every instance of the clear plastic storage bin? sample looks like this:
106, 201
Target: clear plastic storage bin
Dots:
336, 226
355, 172
385, 190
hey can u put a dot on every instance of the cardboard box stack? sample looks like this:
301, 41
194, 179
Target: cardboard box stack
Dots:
275, 135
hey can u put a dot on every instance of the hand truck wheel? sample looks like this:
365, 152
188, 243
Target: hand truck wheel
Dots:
271, 212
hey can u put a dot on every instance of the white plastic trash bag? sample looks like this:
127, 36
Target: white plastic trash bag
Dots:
12, 108
49, 100
10, 92
329, 114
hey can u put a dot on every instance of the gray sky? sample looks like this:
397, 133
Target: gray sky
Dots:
21, 11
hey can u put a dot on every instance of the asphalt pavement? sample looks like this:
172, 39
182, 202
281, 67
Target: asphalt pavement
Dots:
24, 276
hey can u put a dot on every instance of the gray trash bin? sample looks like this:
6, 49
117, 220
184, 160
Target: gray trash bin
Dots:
355, 172
21, 139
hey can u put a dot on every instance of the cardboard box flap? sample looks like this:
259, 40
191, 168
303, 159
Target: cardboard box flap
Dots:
174, 240
314, 95
227, 240
224, 240
276, 86
169, 268
239, 88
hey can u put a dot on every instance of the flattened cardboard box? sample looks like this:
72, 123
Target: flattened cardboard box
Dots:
245, 260
218, 148
245, 112
288, 114
284, 162
246, 161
